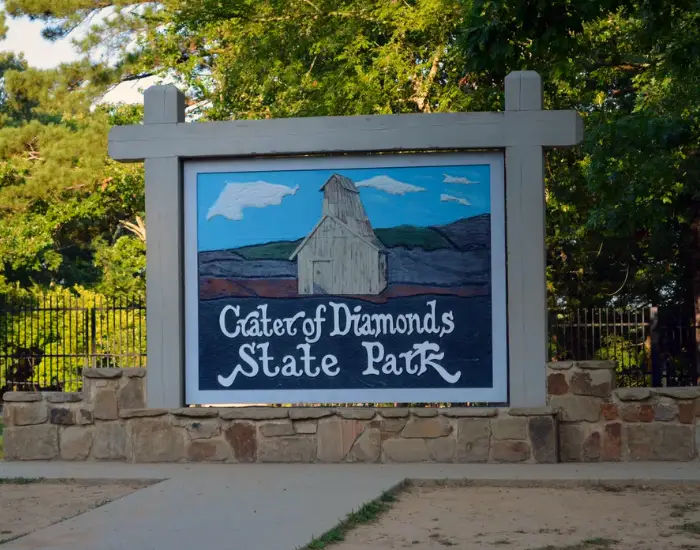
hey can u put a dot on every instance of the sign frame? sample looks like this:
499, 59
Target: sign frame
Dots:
522, 131
498, 393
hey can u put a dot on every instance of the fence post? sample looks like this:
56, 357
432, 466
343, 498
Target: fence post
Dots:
93, 336
656, 363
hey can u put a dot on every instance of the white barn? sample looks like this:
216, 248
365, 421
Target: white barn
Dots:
341, 254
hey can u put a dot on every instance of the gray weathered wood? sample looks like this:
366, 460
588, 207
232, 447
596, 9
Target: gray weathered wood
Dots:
164, 283
163, 105
525, 230
522, 131
345, 134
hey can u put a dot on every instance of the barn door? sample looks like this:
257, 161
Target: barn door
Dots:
322, 273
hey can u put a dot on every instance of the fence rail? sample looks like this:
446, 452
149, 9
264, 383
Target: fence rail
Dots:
652, 346
46, 341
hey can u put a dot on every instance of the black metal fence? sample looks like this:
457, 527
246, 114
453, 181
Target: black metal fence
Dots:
46, 341
652, 346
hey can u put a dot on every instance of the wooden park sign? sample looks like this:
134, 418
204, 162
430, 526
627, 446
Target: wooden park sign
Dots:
347, 259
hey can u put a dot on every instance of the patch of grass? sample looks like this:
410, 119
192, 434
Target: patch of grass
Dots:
367, 513
689, 527
280, 250
680, 510
412, 237
20, 480
596, 543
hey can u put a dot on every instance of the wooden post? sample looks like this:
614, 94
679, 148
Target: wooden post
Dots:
521, 132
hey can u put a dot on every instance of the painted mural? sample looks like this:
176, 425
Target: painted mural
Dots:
349, 278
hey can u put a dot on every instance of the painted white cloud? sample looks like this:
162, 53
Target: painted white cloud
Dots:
451, 198
389, 185
447, 178
255, 194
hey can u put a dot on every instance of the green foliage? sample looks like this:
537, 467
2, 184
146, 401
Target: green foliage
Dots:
58, 333
411, 236
620, 208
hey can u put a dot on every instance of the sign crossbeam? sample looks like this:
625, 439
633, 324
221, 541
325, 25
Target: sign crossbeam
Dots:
522, 131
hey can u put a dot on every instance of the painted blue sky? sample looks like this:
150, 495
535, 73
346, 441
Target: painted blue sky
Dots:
242, 208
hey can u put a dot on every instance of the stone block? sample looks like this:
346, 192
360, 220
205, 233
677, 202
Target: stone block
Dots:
611, 449
406, 450
560, 365
21, 396
576, 408
596, 383
543, 439
304, 427
468, 412
390, 426
659, 442
473, 439
665, 410
62, 415
142, 413
336, 437
393, 412
591, 447
632, 394
356, 413
297, 448
84, 416
594, 365
196, 412
571, 437
31, 442
510, 451
424, 412
305, 413
687, 411
131, 395
367, 447
75, 442
531, 411
25, 414
63, 397
105, 404
514, 427
683, 392
436, 426
156, 440
208, 450
557, 384
242, 436
134, 372
110, 373
109, 441
277, 428
636, 412
442, 449
677, 443
609, 411
254, 413
204, 428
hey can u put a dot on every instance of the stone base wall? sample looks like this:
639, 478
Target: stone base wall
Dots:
598, 422
587, 420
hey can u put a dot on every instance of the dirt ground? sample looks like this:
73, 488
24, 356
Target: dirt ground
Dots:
28, 506
510, 518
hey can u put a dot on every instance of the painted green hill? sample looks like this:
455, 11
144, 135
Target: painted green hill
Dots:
411, 236
280, 250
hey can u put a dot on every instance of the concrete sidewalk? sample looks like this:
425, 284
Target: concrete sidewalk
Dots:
268, 506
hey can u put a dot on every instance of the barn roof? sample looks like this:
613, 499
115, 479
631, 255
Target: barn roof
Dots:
372, 241
345, 182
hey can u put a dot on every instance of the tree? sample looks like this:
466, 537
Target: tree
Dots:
622, 209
